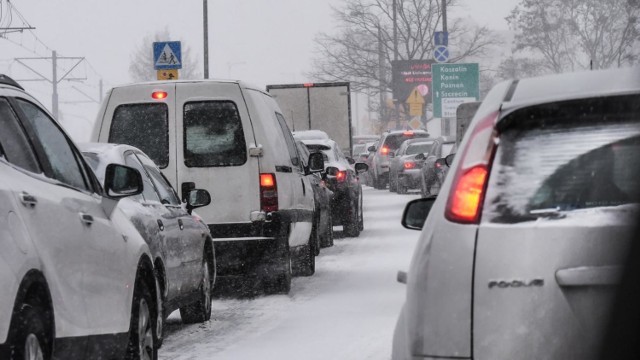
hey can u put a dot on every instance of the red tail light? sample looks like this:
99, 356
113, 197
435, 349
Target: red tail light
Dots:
268, 193
409, 165
408, 133
159, 95
470, 183
384, 150
341, 176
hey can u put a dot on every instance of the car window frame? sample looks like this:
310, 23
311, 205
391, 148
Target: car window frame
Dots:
27, 142
91, 183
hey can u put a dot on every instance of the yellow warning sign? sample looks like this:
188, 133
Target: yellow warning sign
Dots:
171, 74
416, 102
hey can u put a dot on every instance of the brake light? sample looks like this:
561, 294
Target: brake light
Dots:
408, 133
464, 204
438, 165
268, 193
409, 165
159, 95
384, 150
341, 176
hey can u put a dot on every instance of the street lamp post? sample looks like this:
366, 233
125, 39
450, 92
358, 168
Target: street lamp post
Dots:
205, 23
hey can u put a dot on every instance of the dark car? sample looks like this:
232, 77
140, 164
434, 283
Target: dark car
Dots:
342, 178
322, 230
390, 141
432, 170
179, 240
404, 170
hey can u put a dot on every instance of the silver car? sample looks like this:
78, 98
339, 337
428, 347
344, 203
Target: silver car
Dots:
521, 250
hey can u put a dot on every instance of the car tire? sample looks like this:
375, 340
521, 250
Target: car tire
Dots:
142, 333
305, 264
160, 322
31, 340
200, 310
315, 235
283, 281
327, 240
401, 188
350, 224
361, 217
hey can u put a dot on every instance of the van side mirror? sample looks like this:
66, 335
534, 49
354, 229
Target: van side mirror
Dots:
420, 156
361, 167
316, 163
372, 148
416, 212
449, 159
198, 198
122, 181
350, 160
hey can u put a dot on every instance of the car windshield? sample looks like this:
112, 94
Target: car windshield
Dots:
220, 234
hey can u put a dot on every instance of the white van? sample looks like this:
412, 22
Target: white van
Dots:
232, 140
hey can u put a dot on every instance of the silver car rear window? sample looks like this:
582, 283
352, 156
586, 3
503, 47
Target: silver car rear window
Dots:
562, 157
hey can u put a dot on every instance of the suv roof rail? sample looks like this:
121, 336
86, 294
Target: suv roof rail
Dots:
4, 79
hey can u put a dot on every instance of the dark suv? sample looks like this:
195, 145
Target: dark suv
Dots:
390, 141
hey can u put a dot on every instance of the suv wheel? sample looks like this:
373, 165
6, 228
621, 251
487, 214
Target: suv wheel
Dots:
361, 217
327, 239
393, 185
142, 329
159, 314
31, 341
200, 310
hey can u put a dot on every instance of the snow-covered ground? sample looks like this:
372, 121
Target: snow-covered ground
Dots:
347, 310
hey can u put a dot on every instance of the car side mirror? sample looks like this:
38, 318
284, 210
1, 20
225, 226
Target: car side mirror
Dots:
316, 163
416, 212
122, 181
361, 167
198, 198
332, 171
420, 156
351, 161
449, 159
372, 148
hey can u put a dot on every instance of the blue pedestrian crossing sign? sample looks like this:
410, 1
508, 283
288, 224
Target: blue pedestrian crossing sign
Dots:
167, 55
441, 54
441, 38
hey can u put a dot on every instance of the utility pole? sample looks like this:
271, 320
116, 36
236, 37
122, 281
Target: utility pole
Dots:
444, 15
54, 80
205, 21
381, 75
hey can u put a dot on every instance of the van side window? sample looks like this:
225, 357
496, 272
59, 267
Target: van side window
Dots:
288, 137
145, 126
213, 134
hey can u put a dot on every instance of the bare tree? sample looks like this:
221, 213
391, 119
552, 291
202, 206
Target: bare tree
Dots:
573, 34
141, 67
364, 42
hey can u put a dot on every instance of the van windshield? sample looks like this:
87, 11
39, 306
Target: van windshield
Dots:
144, 126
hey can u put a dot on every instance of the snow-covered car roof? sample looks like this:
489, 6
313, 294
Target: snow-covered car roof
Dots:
105, 154
578, 85
310, 134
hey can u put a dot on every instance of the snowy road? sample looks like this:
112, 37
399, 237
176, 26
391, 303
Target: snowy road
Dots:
347, 310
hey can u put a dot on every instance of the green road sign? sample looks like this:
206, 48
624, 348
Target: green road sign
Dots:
454, 84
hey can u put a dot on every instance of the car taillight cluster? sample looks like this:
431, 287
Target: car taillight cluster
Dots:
409, 165
470, 182
268, 193
341, 176
384, 150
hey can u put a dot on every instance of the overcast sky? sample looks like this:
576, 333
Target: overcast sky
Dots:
260, 41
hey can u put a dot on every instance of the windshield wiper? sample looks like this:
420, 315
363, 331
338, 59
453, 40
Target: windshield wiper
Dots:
548, 213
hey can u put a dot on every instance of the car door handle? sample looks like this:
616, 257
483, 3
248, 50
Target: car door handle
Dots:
28, 200
86, 219
589, 276
160, 225
180, 224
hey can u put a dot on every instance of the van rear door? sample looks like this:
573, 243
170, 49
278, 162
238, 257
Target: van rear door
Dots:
214, 133
560, 208
139, 116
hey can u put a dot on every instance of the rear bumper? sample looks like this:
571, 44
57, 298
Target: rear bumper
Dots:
250, 249
410, 178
